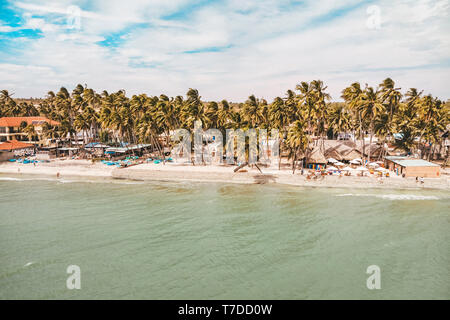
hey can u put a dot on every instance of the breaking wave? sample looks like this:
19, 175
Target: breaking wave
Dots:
390, 196
62, 180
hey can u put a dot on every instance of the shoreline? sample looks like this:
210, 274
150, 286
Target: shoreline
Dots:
214, 173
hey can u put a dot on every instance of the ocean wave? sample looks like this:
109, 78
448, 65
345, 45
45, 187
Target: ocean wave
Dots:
390, 196
98, 181
10, 179
68, 181
26, 179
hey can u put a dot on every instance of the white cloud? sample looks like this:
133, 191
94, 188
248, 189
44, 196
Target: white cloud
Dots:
261, 47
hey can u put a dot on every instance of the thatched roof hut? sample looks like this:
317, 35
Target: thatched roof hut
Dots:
341, 150
351, 154
316, 156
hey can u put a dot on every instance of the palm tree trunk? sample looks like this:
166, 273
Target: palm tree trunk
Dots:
279, 153
370, 145
294, 160
361, 135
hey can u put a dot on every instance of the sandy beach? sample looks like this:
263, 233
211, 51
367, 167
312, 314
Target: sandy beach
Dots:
213, 173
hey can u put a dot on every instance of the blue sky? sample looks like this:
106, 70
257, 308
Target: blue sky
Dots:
226, 49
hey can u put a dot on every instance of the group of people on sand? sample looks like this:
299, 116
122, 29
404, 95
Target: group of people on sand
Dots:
320, 175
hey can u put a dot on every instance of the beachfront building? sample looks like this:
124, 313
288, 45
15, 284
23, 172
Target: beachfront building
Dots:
411, 167
13, 128
121, 152
346, 136
96, 148
17, 148
6, 155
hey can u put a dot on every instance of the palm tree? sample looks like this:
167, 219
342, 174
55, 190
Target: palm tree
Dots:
82, 123
193, 109
279, 118
165, 115
320, 101
297, 141
405, 121
306, 103
339, 118
212, 114
390, 97
30, 131
252, 112
225, 115
352, 97
371, 108
7, 104
291, 105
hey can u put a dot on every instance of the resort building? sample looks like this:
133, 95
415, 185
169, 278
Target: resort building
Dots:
410, 167
12, 128
6, 155
16, 148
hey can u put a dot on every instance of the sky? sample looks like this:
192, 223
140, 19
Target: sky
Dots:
226, 49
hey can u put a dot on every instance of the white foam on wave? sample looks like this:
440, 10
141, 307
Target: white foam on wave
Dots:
98, 181
390, 196
10, 179
26, 179
62, 180
68, 181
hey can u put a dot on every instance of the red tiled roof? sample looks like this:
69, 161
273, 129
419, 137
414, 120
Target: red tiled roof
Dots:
16, 121
15, 145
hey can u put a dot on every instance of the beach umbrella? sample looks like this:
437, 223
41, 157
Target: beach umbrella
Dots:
332, 160
348, 169
332, 168
339, 164
381, 169
358, 160
373, 164
362, 169
355, 162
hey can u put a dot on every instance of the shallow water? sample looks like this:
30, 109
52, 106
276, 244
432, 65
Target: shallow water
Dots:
166, 240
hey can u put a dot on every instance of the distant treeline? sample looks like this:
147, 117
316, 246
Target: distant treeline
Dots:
301, 115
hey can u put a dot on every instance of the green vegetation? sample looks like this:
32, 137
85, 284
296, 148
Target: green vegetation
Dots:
301, 116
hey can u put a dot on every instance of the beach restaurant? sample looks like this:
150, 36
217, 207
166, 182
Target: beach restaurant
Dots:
17, 148
411, 167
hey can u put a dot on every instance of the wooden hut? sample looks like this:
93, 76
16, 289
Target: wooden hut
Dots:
410, 167
316, 158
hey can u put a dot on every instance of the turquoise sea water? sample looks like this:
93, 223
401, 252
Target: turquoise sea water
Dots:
166, 240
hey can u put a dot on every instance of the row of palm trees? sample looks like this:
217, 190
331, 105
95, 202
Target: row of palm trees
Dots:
303, 116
